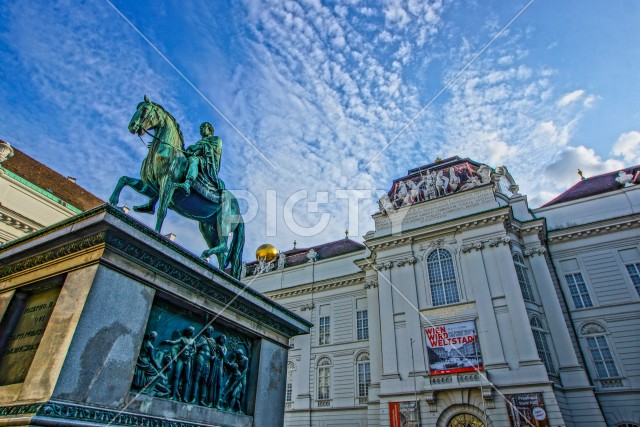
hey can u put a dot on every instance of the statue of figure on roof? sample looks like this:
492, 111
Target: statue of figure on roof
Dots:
204, 162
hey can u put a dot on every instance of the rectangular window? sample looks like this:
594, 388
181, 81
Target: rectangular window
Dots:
362, 325
324, 330
289, 392
602, 358
634, 273
578, 289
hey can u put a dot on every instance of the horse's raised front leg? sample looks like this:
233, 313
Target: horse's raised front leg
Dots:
140, 187
167, 188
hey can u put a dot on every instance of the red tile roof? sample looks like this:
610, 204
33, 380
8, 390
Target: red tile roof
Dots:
592, 186
46, 178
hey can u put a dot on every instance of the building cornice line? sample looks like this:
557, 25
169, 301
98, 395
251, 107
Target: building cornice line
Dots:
422, 233
352, 279
593, 228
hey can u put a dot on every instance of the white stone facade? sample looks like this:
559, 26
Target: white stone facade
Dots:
473, 257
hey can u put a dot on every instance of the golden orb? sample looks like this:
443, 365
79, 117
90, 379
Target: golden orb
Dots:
267, 252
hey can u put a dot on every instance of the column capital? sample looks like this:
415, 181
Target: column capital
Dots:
478, 246
370, 284
533, 251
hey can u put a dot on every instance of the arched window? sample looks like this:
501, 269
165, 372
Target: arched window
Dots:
542, 344
289, 390
523, 277
324, 378
442, 278
598, 346
627, 425
364, 376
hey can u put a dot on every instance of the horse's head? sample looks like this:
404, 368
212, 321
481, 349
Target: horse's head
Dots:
146, 117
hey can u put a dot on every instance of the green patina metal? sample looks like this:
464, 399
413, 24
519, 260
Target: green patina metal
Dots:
166, 169
42, 191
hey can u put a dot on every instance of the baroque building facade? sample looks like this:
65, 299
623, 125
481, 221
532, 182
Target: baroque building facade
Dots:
465, 300
33, 196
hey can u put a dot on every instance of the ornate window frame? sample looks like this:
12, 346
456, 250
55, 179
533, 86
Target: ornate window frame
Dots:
592, 335
454, 270
363, 359
324, 367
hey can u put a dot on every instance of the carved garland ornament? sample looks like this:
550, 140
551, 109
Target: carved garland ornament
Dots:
471, 246
529, 252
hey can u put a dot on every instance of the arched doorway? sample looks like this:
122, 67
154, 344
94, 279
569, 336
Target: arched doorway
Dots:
465, 420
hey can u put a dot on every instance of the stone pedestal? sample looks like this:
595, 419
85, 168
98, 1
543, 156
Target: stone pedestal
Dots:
105, 322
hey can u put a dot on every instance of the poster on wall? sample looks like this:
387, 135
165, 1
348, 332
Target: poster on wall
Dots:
527, 410
453, 348
404, 414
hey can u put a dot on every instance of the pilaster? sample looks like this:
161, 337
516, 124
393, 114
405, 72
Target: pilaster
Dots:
491, 344
519, 321
387, 324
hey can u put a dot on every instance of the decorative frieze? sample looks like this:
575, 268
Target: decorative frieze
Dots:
89, 414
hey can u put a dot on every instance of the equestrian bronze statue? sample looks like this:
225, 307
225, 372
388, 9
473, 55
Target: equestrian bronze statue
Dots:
187, 182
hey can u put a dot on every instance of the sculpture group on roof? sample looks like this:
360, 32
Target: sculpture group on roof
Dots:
434, 183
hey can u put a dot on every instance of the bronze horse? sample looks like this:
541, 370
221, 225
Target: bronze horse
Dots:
164, 167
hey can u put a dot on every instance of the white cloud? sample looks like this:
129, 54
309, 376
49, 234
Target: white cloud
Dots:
571, 97
628, 147
563, 171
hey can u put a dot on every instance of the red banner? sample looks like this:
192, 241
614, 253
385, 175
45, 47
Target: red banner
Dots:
453, 348
404, 414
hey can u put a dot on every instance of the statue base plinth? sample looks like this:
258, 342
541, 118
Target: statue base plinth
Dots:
102, 320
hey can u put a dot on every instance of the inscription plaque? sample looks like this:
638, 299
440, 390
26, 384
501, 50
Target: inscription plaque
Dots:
22, 328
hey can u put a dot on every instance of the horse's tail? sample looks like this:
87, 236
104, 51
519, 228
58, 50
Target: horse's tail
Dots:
236, 248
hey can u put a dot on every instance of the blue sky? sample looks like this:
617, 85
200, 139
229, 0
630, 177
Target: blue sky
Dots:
319, 89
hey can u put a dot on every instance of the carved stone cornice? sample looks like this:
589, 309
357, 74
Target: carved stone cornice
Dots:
529, 252
84, 414
315, 287
18, 221
478, 246
104, 416
390, 243
592, 229
53, 254
167, 267
226, 297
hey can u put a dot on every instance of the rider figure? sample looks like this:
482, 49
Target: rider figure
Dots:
204, 158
